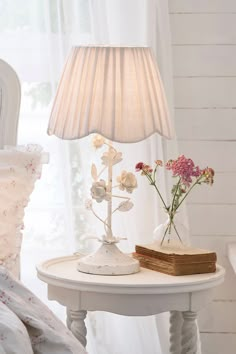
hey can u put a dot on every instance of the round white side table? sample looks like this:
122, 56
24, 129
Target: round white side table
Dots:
141, 294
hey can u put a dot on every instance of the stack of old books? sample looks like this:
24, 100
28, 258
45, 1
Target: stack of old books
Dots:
175, 261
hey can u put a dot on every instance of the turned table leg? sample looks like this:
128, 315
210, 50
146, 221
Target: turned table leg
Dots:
189, 333
176, 321
75, 322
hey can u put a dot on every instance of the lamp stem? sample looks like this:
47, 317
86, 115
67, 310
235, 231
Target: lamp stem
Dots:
109, 187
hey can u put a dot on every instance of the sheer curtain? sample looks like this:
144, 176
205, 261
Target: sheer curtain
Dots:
36, 36
136, 23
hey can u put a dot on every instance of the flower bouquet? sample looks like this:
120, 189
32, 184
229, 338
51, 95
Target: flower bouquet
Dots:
166, 255
186, 176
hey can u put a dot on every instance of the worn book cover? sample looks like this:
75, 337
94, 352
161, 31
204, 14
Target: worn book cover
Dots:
175, 261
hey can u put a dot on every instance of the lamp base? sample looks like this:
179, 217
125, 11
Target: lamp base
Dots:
108, 260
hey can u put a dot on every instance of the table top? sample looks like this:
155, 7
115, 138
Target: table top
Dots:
62, 272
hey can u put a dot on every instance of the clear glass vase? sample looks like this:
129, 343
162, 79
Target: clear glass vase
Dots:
172, 234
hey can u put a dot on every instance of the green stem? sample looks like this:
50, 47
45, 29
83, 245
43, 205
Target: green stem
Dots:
148, 177
164, 235
177, 232
169, 228
197, 181
154, 173
154, 184
177, 186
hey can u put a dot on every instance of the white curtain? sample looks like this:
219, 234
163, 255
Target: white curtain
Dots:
35, 38
136, 23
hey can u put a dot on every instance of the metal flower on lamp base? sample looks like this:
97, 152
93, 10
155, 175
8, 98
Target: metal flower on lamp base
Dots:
108, 259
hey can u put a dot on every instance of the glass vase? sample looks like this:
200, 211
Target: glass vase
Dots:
172, 234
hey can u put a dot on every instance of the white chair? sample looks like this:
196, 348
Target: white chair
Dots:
19, 169
27, 326
10, 95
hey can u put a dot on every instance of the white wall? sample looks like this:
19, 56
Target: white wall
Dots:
204, 60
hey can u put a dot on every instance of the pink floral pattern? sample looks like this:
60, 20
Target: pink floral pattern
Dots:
32, 322
20, 167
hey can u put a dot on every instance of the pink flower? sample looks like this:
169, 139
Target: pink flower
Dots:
208, 173
184, 168
169, 164
159, 163
146, 169
143, 167
139, 166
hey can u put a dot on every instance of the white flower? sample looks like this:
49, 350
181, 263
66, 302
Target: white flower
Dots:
99, 191
127, 181
111, 156
88, 204
98, 141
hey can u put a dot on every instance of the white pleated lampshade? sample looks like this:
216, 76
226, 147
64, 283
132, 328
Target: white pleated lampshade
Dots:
114, 91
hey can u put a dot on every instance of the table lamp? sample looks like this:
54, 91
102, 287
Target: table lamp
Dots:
116, 92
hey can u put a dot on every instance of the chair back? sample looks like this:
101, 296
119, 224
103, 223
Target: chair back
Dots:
10, 96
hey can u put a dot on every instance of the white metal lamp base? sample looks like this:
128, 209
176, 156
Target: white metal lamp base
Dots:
108, 260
